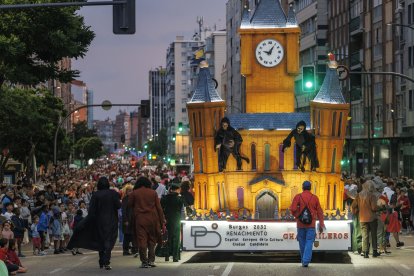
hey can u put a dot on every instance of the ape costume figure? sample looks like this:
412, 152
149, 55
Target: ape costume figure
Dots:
305, 146
228, 141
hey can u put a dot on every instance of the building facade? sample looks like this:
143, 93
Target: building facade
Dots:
157, 96
122, 130
376, 36
104, 130
179, 71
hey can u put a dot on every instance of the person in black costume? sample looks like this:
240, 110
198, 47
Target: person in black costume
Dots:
228, 141
98, 231
305, 146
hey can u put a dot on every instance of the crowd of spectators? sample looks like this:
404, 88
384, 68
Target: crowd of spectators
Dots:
382, 207
45, 213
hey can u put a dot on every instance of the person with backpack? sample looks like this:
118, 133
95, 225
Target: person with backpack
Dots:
306, 209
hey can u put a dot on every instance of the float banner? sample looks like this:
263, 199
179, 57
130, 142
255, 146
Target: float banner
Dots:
260, 236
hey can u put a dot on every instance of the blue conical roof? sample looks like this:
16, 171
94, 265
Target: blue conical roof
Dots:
205, 90
268, 14
331, 91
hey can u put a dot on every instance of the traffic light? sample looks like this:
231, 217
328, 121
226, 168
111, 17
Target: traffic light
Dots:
145, 109
174, 137
308, 78
180, 126
124, 17
145, 146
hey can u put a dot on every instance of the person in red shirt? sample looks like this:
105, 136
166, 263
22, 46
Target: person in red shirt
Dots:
306, 232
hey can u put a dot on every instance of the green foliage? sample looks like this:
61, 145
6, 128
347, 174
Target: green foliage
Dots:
90, 147
28, 118
160, 144
80, 130
33, 41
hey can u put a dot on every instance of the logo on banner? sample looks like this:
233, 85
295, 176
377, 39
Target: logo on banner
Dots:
204, 238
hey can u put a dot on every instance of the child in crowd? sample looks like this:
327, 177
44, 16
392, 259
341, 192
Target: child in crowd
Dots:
56, 229
18, 230
7, 232
36, 240
76, 220
9, 210
13, 258
4, 246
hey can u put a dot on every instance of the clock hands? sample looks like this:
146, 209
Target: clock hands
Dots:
270, 51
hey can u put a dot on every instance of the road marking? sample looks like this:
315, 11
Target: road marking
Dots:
55, 270
216, 267
226, 272
405, 266
84, 258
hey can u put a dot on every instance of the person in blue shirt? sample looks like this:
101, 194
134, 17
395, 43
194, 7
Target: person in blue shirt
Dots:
42, 226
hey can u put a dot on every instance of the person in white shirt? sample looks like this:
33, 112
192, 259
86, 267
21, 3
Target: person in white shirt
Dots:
158, 187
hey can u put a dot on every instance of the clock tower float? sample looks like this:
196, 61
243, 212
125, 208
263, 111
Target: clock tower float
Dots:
247, 209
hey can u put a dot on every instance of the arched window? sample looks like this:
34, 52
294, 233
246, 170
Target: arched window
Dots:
319, 122
281, 158
340, 124
328, 198
333, 124
219, 195
333, 160
199, 196
200, 125
334, 197
240, 197
267, 158
214, 121
195, 124
200, 159
205, 195
253, 157
224, 195
294, 158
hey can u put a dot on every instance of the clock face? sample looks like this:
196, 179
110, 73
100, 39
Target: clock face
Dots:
269, 52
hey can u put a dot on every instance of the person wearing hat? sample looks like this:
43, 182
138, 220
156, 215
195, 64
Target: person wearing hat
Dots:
172, 204
303, 203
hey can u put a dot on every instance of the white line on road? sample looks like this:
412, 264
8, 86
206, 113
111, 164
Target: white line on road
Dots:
405, 266
55, 270
226, 272
84, 258
216, 267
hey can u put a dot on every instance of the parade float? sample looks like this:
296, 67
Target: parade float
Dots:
246, 209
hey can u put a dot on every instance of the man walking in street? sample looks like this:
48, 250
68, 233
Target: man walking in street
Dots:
306, 209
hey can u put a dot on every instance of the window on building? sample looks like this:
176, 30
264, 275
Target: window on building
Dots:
294, 158
378, 113
340, 124
240, 197
334, 197
199, 196
219, 196
195, 124
200, 159
410, 100
281, 158
328, 198
411, 56
333, 160
223, 190
200, 123
267, 158
333, 124
253, 157
205, 195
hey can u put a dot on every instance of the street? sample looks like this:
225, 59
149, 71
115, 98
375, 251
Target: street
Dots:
224, 264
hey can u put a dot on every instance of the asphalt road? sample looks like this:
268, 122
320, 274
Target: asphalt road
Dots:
399, 262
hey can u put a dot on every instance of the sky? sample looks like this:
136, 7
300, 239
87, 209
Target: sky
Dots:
116, 66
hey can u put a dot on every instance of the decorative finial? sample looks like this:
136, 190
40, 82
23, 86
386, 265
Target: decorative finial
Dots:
333, 64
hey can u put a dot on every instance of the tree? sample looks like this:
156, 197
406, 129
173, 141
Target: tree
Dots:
80, 130
28, 118
160, 144
33, 41
90, 147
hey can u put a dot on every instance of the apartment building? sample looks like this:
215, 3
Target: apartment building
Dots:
157, 96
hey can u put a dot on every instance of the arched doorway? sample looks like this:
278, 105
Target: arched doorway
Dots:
266, 205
